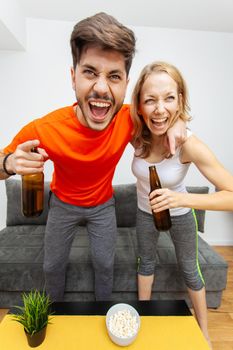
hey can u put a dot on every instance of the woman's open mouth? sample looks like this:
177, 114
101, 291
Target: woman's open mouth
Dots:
159, 123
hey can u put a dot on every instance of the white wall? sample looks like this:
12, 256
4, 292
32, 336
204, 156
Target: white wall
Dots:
12, 26
37, 81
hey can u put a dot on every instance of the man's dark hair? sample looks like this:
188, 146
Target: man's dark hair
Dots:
106, 32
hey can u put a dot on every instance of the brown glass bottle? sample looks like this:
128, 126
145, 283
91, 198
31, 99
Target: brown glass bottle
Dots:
162, 219
32, 194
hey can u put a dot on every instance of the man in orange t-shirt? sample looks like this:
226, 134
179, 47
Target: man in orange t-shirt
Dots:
85, 142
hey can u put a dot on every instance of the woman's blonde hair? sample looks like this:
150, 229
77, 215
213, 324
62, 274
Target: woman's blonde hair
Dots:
141, 135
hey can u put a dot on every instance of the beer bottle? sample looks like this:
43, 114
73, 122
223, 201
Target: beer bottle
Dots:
162, 219
33, 193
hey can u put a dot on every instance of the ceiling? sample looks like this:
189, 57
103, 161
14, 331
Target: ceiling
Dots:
205, 15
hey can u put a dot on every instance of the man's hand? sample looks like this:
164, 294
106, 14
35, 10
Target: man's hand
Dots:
23, 161
176, 135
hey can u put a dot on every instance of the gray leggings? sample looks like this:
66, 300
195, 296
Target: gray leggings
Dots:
60, 230
185, 238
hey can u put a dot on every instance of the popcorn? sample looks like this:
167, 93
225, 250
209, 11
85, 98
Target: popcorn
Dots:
122, 324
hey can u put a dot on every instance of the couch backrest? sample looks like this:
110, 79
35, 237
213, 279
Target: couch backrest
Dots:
126, 204
125, 196
14, 214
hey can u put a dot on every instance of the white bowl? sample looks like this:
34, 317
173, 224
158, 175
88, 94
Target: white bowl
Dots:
120, 340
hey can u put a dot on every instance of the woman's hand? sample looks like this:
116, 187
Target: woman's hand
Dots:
164, 198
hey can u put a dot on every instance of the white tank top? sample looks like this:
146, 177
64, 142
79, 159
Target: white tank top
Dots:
171, 173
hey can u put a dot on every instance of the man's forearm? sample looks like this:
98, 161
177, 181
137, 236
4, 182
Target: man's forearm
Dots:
3, 174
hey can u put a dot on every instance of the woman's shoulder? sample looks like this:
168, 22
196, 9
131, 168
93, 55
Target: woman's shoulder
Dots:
194, 149
189, 132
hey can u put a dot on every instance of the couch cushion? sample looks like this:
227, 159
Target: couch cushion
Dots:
21, 261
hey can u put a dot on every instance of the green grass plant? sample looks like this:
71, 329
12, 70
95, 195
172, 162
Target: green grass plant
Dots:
35, 313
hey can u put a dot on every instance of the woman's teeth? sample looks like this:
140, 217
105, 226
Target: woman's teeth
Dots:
158, 122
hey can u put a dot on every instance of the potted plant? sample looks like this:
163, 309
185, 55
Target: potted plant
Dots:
34, 315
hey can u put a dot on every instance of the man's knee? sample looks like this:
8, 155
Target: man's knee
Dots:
103, 266
53, 268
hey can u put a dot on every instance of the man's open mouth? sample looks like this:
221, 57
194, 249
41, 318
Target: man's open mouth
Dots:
99, 110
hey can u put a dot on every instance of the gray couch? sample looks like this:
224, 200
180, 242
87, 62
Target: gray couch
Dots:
21, 255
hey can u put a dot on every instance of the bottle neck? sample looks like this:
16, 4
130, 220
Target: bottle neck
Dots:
154, 179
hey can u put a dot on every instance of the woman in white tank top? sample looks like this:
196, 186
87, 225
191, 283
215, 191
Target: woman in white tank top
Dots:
159, 99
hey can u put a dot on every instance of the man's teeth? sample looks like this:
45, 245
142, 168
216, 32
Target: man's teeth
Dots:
100, 104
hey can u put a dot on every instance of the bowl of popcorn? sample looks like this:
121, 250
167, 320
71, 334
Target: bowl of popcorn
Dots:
123, 324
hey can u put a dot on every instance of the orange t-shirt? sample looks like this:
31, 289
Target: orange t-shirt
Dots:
84, 159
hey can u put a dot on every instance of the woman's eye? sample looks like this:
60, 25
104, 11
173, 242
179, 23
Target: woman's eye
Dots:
170, 98
149, 101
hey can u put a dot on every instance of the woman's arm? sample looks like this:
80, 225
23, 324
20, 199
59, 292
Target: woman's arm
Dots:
195, 151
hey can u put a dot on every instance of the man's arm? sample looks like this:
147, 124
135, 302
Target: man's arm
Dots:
3, 174
176, 136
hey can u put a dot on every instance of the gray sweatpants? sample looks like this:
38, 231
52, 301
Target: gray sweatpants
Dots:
185, 239
61, 227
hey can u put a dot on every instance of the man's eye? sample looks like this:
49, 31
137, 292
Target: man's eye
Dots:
89, 73
115, 77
